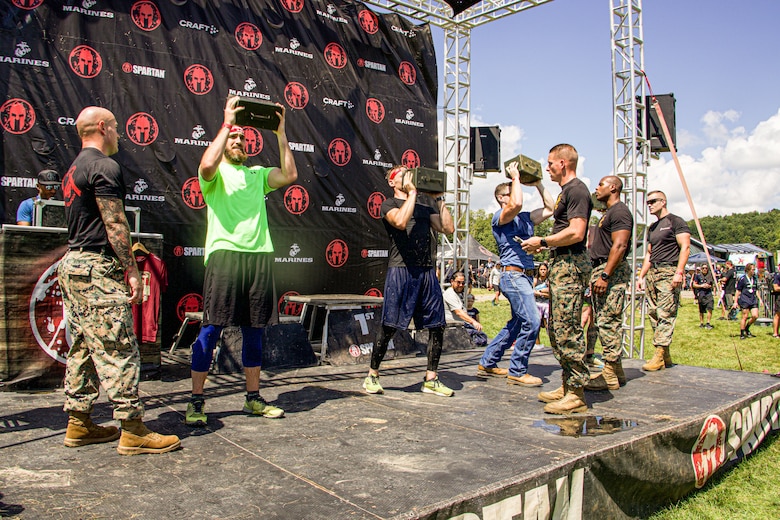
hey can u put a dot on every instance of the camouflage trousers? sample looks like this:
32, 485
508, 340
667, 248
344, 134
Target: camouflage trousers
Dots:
662, 303
608, 309
568, 279
104, 349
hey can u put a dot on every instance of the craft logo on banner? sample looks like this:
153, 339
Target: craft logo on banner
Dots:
410, 159
195, 26
337, 253
296, 199
374, 204
198, 79
375, 110
296, 95
192, 195
709, 452
146, 15
248, 36
289, 308
253, 141
339, 152
47, 319
85, 61
335, 55
192, 302
294, 6
345, 103
27, 4
294, 256
368, 21
142, 129
407, 73
17, 116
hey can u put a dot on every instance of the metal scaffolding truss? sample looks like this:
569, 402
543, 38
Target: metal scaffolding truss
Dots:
631, 149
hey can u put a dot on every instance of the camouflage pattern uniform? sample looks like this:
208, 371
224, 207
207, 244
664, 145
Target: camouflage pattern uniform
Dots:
568, 279
662, 302
104, 348
608, 309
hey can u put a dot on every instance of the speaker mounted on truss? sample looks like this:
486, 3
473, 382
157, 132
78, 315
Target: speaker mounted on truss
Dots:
655, 133
458, 6
485, 148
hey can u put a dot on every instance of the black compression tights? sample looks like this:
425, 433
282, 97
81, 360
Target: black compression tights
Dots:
435, 342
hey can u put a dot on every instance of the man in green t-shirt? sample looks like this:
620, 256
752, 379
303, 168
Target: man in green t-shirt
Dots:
238, 288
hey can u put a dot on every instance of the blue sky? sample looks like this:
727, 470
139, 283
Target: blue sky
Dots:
544, 76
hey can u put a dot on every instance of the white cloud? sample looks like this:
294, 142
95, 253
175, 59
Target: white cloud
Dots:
738, 173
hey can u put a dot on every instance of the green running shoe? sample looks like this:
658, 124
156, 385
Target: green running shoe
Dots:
434, 386
372, 386
260, 407
195, 415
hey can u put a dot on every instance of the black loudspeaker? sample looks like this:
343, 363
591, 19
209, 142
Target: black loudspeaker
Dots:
458, 6
485, 148
655, 133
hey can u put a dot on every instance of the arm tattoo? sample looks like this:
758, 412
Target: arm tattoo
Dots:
113, 213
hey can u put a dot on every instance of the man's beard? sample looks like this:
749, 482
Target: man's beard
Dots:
235, 156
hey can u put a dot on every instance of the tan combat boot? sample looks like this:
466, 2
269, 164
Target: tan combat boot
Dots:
572, 402
137, 438
667, 358
607, 379
551, 397
82, 431
617, 367
657, 363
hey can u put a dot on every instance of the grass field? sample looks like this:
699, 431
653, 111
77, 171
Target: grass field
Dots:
747, 491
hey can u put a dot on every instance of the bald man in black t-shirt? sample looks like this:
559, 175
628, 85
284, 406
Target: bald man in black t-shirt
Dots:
668, 247
610, 243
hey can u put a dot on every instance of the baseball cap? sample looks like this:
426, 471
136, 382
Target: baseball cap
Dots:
49, 178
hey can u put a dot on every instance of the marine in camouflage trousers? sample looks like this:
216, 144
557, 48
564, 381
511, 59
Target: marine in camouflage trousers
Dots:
104, 348
569, 277
608, 309
662, 303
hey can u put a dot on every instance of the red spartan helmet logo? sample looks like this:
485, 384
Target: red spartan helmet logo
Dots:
142, 129
17, 116
296, 199
192, 302
407, 73
289, 308
296, 95
253, 141
368, 21
198, 79
373, 292
335, 55
85, 61
374, 204
27, 4
337, 253
375, 110
69, 189
709, 452
146, 15
191, 194
410, 159
339, 151
248, 36
294, 6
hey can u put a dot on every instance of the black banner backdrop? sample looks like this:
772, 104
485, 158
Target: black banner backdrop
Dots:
359, 88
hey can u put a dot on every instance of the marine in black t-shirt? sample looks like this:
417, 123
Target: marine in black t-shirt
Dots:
662, 236
92, 174
573, 202
616, 218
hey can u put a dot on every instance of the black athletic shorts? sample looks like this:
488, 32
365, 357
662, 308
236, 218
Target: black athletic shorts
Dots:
238, 289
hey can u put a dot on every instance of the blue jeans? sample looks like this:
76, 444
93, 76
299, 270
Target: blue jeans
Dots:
521, 329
